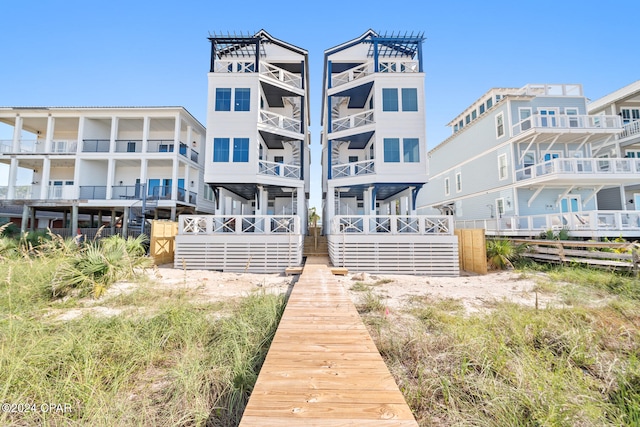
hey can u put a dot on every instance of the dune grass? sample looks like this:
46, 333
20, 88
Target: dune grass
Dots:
519, 366
175, 361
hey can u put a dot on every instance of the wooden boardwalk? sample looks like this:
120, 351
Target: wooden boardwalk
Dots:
323, 368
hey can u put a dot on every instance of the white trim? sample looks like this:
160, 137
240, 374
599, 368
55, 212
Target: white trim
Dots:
502, 176
521, 109
504, 125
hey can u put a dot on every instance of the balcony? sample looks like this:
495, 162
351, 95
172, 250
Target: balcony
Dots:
281, 75
278, 169
95, 145
352, 121
281, 122
630, 129
66, 192
160, 146
364, 167
580, 166
566, 122
238, 224
587, 223
241, 66
93, 192
21, 192
352, 74
393, 224
400, 66
38, 146
128, 145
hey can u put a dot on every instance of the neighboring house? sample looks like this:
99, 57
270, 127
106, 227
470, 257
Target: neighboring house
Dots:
124, 163
374, 159
258, 158
625, 103
524, 161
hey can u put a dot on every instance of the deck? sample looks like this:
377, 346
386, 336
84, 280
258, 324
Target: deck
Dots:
323, 368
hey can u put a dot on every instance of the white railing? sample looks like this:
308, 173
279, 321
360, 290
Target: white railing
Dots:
392, 224
277, 73
283, 170
238, 224
566, 121
363, 167
630, 129
280, 121
571, 221
234, 67
38, 146
551, 90
352, 74
66, 192
353, 121
400, 66
20, 192
580, 166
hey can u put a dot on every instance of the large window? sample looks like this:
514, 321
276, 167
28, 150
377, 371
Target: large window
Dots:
243, 99
223, 99
409, 99
389, 99
410, 150
240, 149
392, 150
220, 149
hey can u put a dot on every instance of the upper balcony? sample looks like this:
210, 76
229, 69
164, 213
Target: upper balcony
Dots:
564, 122
364, 167
280, 121
629, 130
267, 70
599, 169
38, 147
281, 170
352, 121
368, 68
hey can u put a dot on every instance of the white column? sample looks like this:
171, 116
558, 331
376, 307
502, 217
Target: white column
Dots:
76, 177
44, 181
302, 209
259, 202
114, 134
17, 134
111, 170
145, 134
143, 172
189, 142
174, 180
187, 182
49, 136
13, 176
623, 198
80, 136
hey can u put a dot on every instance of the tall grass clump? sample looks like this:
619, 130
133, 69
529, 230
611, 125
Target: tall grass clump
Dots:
501, 253
99, 264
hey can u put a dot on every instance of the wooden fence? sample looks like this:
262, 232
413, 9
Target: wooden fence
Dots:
163, 236
624, 255
472, 250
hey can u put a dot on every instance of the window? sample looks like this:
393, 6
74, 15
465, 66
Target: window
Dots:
389, 99
223, 99
573, 119
547, 117
460, 124
467, 119
528, 161
630, 115
220, 149
500, 125
474, 114
500, 207
502, 166
353, 159
634, 154
243, 99
481, 108
410, 150
131, 147
392, 150
447, 188
489, 103
410, 99
240, 149
459, 182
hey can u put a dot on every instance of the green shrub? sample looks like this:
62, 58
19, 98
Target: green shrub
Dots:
501, 253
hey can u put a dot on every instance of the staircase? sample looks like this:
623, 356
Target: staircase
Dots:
313, 247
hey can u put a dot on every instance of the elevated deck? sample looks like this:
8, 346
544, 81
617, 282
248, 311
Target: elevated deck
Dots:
323, 368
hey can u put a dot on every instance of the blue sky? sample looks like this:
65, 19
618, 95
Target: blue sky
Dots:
154, 53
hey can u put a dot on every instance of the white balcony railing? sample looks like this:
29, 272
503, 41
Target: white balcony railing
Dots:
353, 121
564, 121
392, 224
66, 192
238, 224
364, 167
580, 166
38, 146
20, 192
277, 73
400, 66
630, 129
280, 121
572, 221
283, 170
551, 90
241, 66
352, 74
